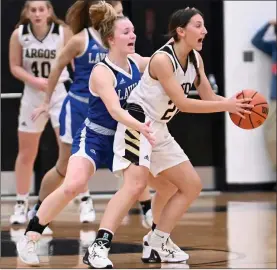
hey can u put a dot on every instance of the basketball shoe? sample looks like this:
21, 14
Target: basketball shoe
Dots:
26, 249
96, 256
162, 251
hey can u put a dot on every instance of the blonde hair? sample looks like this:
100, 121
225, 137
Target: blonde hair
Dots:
103, 17
24, 19
77, 16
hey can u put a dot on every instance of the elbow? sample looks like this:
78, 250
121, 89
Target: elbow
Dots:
13, 70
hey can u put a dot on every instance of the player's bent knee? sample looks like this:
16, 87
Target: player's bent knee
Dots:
73, 190
61, 167
167, 192
136, 188
195, 187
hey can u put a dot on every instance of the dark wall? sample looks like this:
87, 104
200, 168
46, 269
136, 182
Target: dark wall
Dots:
201, 136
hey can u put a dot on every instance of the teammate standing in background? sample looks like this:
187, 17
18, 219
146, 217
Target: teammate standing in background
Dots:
34, 47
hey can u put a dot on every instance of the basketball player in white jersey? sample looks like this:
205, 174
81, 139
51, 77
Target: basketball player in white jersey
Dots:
160, 94
34, 46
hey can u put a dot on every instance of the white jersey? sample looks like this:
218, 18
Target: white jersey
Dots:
38, 56
150, 95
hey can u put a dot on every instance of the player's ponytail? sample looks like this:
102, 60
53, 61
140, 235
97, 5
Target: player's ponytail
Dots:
103, 18
77, 16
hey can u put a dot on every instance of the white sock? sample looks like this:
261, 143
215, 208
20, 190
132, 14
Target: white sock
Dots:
158, 237
22, 197
85, 194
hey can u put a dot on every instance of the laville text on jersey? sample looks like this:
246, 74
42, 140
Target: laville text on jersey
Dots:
126, 91
97, 57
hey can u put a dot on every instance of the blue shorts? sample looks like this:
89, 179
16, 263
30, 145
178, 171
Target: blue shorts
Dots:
73, 114
95, 147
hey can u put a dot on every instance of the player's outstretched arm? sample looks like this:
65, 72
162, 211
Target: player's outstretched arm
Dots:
162, 69
102, 82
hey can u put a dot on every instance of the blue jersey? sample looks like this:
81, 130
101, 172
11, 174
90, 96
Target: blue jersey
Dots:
124, 84
94, 139
93, 54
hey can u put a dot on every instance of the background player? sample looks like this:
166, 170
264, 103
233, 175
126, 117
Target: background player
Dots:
34, 47
160, 94
86, 49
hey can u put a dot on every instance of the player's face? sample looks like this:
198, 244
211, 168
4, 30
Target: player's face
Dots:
124, 36
118, 9
195, 32
38, 12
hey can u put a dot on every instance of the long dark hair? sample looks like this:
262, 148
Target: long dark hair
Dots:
181, 18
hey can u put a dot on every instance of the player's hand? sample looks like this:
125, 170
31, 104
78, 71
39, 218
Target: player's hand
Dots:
40, 84
43, 108
272, 22
147, 132
239, 106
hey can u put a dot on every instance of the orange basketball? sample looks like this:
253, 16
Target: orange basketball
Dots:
258, 113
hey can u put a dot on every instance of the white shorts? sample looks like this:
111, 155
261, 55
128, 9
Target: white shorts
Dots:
132, 147
31, 100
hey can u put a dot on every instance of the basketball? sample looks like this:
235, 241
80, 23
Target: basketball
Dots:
258, 113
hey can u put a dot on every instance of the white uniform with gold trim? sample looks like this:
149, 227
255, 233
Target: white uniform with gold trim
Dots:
149, 101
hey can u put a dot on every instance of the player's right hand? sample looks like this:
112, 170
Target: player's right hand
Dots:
239, 106
43, 108
40, 84
146, 130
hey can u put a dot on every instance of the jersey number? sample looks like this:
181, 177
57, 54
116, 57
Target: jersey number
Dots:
44, 71
172, 109
170, 112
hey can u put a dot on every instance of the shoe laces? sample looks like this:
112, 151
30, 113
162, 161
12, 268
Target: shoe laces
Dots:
172, 244
169, 249
31, 246
98, 250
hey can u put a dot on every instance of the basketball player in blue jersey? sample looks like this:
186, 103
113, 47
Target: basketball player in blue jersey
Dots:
93, 143
34, 47
86, 49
